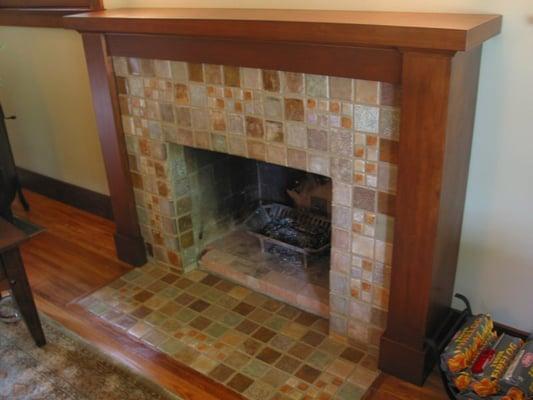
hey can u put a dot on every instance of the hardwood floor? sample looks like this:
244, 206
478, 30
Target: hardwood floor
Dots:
76, 256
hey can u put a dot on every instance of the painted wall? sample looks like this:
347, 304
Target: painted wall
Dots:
44, 82
496, 259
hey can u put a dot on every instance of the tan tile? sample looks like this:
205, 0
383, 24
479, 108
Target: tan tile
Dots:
202, 140
274, 131
341, 368
318, 164
294, 330
232, 76
388, 151
254, 127
182, 93
240, 383
386, 203
389, 94
218, 120
204, 364
366, 92
213, 74
271, 80
256, 150
251, 78
221, 373
196, 72
340, 88
276, 154
268, 355
297, 159
237, 146
294, 82
294, 109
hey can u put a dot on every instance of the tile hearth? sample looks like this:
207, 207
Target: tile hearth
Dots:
253, 344
238, 257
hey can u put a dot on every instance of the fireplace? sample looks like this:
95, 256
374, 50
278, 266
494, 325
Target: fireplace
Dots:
287, 126
398, 185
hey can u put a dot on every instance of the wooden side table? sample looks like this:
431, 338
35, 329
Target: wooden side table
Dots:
12, 269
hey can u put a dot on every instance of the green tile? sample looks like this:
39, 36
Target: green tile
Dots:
276, 322
154, 337
214, 312
349, 391
171, 326
212, 295
98, 308
216, 330
156, 318
231, 319
186, 355
236, 360
186, 315
170, 292
319, 360
331, 347
132, 275
275, 377
171, 346
282, 342
227, 301
256, 369
259, 391
198, 289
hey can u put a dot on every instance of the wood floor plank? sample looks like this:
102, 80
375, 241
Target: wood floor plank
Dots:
76, 256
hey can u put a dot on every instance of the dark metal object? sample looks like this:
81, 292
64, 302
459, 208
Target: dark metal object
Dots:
296, 230
8, 312
442, 337
9, 182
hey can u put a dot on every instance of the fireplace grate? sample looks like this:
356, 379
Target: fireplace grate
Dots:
294, 229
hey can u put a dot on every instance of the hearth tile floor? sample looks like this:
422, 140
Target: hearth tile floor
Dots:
253, 344
238, 256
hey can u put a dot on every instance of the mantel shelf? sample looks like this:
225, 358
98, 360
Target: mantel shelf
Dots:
430, 31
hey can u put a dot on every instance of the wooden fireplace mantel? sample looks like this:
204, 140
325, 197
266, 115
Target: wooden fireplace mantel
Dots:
434, 57
354, 28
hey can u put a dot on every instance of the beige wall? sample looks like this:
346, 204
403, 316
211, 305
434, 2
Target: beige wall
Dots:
496, 260
44, 82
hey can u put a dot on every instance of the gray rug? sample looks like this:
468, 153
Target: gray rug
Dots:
66, 368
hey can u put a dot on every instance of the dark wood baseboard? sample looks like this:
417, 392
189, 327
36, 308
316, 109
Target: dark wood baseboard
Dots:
84, 199
130, 249
501, 328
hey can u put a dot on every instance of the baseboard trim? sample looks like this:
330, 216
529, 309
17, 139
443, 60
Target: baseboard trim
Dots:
84, 199
501, 328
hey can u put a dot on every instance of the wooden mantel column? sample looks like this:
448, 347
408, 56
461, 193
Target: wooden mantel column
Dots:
438, 108
434, 57
128, 240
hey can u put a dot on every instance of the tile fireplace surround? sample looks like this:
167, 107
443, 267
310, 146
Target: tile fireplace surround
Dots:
319, 91
339, 127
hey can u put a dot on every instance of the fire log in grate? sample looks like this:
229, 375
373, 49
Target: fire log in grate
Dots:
293, 229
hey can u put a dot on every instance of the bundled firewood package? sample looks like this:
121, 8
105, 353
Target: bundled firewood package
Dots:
518, 379
493, 364
466, 344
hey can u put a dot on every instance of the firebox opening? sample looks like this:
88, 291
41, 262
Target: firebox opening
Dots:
264, 226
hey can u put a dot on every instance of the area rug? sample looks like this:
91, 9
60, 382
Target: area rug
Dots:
66, 368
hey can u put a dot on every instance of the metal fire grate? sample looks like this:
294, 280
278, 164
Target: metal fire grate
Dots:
293, 229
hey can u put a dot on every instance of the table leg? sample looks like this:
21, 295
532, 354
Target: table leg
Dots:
20, 287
